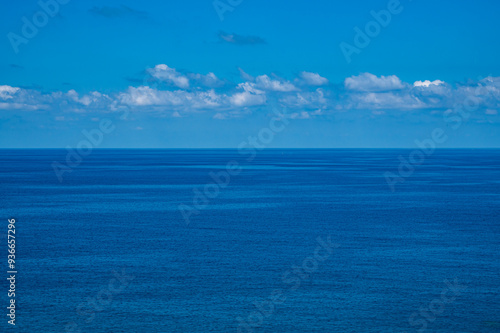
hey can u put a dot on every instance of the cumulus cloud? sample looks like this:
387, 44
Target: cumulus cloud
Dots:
147, 96
249, 97
313, 79
264, 82
428, 83
16, 98
386, 100
7, 92
246, 95
209, 80
306, 100
164, 73
368, 83
93, 98
438, 94
308, 95
491, 81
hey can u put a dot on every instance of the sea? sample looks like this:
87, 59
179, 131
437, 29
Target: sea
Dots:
292, 240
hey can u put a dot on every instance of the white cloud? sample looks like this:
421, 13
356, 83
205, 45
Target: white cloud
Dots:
386, 100
369, 83
313, 79
141, 96
491, 81
225, 99
428, 83
249, 97
146, 96
7, 92
264, 82
310, 100
93, 97
15, 98
164, 73
209, 80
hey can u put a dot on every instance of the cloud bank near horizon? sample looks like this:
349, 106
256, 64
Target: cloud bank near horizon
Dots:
175, 93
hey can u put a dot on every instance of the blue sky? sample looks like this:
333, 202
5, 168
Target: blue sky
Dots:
187, 79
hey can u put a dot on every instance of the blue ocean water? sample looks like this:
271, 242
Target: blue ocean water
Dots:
107, 249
